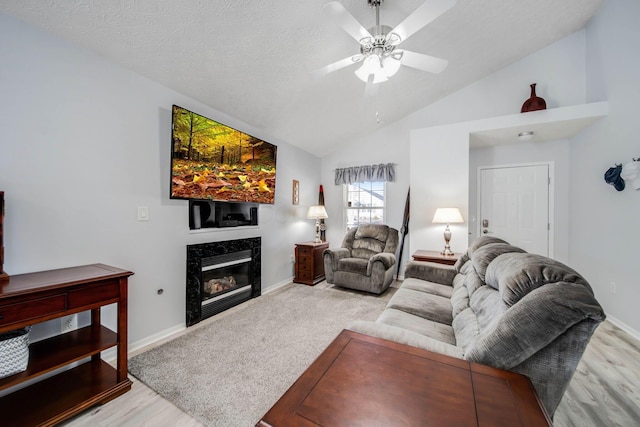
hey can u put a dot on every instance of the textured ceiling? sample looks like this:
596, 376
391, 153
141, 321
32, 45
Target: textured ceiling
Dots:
255, 60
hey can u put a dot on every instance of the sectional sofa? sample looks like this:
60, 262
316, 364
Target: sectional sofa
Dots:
498, 306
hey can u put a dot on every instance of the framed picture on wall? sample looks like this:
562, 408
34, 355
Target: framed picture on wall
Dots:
295, 193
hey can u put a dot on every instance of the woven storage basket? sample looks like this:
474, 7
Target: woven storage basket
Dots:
14, 352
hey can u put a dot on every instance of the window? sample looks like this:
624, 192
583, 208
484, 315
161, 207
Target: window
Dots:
364, 203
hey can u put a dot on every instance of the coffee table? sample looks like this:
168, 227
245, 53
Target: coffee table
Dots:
361, 380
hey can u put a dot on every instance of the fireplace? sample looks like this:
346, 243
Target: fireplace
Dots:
221, 275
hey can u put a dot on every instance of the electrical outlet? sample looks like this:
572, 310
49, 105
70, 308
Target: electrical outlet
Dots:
69, 323
612, 287
292, 258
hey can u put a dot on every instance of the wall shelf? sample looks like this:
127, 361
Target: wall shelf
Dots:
547, 125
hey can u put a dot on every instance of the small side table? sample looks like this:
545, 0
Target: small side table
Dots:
436, 256
309, 267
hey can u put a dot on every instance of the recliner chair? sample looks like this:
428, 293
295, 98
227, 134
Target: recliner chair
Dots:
366, 261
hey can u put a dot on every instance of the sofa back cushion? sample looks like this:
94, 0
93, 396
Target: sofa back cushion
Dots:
483, 256
482, 241
517, 274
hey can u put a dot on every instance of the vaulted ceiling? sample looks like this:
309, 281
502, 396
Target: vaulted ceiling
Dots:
257, 60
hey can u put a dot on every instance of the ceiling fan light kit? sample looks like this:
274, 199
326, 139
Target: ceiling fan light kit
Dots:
378, 54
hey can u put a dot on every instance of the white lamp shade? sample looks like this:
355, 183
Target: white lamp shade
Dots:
317, 212
447, 216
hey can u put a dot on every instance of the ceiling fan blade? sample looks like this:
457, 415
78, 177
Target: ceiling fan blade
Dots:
423, 62
429, 11
340, 64
346, 20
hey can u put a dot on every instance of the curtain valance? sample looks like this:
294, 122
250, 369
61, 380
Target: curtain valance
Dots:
365, 173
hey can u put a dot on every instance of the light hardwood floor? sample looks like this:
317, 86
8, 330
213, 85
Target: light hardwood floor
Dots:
605, 391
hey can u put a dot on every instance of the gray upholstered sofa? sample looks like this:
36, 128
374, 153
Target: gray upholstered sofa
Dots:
498, 306
366, 261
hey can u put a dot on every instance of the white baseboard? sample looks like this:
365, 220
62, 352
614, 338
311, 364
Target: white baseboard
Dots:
152, 339
628, 329
277, 286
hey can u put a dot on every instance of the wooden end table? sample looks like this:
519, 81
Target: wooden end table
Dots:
435, 256
309, 264
365, 381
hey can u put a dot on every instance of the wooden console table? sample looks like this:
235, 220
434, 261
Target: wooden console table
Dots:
26, 299
362, 380
435, 256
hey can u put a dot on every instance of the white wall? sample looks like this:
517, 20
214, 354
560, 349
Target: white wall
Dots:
604, 230
439, 179
84, 143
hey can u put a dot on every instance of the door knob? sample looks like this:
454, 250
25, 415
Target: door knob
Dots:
486, 231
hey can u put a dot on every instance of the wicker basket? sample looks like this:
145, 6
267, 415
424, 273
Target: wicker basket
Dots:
14, 352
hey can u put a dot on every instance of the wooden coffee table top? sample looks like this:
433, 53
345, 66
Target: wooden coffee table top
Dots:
360, 380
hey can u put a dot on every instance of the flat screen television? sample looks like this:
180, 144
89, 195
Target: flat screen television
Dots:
211, 161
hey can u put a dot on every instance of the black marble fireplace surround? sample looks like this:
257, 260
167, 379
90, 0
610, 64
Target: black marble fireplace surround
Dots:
221, 275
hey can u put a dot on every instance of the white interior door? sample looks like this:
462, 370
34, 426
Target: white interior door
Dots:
514, 206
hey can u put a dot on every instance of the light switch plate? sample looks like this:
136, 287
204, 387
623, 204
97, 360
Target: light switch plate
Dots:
143, 213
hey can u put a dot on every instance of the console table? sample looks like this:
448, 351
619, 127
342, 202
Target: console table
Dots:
26, 299
363, 380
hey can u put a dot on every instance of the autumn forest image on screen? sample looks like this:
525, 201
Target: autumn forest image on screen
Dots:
211, 161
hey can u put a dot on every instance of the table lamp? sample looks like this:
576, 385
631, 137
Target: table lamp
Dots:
447, 216
317, 213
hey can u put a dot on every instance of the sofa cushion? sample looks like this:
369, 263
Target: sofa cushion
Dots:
403, 336
487, 253
465, 326
458, 281
429, 328
460, 262
353, 265
430, 271
487, 305
472, 282
517, 274
427, 306
428, 287
459, 300
482, 241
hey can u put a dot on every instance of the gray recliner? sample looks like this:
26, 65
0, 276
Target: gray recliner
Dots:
366, 261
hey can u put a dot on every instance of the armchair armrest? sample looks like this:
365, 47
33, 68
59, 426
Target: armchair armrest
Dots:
432, 272
332, 256
387, 259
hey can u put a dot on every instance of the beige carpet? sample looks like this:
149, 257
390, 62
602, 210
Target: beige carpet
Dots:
231, 370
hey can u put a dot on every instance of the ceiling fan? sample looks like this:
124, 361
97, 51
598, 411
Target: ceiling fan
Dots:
379, 53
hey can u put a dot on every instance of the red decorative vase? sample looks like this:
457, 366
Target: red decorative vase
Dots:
534, 102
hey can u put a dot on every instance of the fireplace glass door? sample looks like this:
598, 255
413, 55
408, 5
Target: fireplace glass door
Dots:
225, 274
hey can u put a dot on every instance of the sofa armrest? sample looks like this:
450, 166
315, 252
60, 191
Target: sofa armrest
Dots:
533, 323
403, 336
387, 259
430, 271
332, 256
